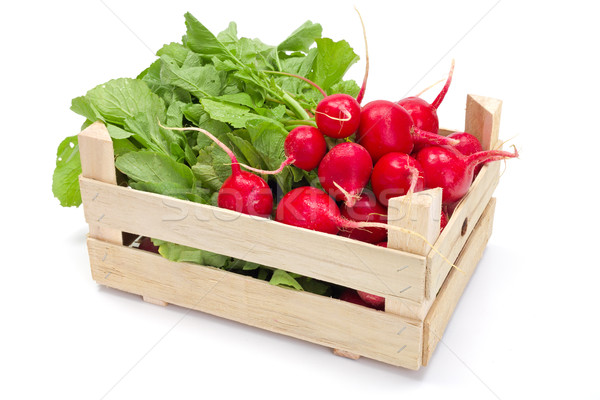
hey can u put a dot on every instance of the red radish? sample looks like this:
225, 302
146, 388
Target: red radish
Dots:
242, 191
310, 208
396, 174
424, 115
351, 296
366, 209
385, 127
443, 221
147, 245
338, 115
382, 244
344, 171
304, 147
372, 300
452, 172
467, 143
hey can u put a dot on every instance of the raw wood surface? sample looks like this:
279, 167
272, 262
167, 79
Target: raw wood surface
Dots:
318, 255
482, 119
419, 213
408, 308
98, 162
318, 319
452, 289
346, 354
152, 300
453, 237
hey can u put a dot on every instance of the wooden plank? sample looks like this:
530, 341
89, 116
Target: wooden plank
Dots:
346, 354
482, 119
461, 224
408, 308
98, 162
447, 299
318, 319
322, 256
154, 301
418, 213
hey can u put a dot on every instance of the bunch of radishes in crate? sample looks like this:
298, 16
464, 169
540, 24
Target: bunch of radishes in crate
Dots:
273, 132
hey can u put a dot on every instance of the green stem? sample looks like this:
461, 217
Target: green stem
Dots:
300, 122
293, 104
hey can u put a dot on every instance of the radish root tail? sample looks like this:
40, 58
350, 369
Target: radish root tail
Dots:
363, 88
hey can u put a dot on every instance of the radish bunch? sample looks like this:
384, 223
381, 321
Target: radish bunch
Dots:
393, 147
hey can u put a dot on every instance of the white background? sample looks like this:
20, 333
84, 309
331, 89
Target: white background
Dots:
527, 325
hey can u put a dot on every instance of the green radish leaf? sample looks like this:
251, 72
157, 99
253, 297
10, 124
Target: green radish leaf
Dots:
250, 153
168, 93
302, 38
147, 166
201, 40
180, 253
120, 99
233, 114
207, 176
65, 180
117, 133
314, 286
348, 87
229, 35
282, 278
176, 51
202, 81
122, 146
332, 61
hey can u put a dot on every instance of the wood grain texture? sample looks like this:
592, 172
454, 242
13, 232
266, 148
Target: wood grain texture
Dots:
318, 255
419, 213
482, 119
154, 301
98, 162
439, 315
346, 354
408, 308
453, 237
318, 319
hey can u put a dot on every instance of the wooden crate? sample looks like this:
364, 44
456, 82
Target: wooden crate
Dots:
421, 288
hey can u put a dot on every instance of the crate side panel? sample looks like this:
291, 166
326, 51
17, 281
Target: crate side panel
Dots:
318, 319
439, 315
322, 256
456, 233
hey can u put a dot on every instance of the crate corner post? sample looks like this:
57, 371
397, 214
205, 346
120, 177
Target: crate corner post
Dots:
482, 119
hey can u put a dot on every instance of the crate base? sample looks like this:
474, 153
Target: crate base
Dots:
351, 330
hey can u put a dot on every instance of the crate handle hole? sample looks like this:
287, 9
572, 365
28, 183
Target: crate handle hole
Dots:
465, 225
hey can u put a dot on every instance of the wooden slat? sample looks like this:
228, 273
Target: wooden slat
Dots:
98, 162
452, 289
482, 119
456, 233
318, 319
418, 213
326, 257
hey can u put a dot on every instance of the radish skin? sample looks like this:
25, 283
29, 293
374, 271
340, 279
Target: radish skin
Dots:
453, 172
243, 191
345, 171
